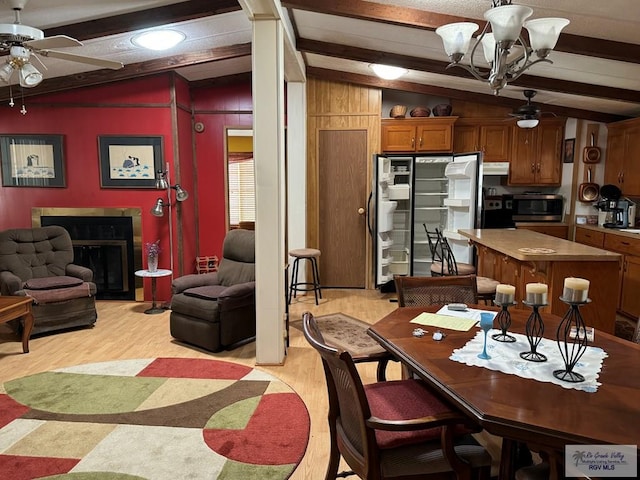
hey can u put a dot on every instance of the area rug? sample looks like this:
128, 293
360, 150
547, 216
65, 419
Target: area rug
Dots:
152, 419
346, 333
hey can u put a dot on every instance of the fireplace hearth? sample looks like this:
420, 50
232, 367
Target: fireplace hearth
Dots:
106, 240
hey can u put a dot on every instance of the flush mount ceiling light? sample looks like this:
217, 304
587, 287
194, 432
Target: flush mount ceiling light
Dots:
505, 49
158, 39
387, 72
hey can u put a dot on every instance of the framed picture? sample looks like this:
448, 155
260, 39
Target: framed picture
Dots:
129, 162
569, 147
32, 161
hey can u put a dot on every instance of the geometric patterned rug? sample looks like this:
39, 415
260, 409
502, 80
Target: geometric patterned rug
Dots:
152, 419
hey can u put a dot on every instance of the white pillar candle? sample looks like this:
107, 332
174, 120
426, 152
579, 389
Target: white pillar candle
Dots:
575, 289
505, 294
537, 293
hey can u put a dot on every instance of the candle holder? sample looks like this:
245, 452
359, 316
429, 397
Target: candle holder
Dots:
534, 330
571, 349
504, 320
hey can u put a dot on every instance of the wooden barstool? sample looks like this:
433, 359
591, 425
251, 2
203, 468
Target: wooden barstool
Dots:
310, 254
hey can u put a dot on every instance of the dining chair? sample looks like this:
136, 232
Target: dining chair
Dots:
445, 264
424, 291
395, 429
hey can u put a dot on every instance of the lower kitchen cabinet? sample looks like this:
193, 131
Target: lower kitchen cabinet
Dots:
629, 247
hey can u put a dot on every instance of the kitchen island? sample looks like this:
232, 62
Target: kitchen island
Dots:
518, 257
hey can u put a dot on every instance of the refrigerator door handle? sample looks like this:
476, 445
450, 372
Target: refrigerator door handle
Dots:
369, 226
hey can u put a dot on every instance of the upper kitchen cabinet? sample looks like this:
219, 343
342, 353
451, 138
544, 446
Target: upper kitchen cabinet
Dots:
536, 154
417, 135
492, 137
623, 150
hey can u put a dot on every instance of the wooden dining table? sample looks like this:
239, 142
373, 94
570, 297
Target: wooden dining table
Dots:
543, 415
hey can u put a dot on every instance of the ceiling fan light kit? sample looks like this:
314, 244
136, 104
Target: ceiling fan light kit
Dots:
499, 44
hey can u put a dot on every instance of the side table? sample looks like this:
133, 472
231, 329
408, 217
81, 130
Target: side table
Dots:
153, 275
12, 307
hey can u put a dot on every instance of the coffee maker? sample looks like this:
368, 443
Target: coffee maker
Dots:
614, 208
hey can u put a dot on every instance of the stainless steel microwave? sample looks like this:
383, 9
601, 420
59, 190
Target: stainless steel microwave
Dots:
537, 207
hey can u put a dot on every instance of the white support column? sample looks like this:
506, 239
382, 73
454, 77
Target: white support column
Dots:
268, 148
297, 169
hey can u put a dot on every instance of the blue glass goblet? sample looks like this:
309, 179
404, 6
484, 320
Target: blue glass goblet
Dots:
486, 324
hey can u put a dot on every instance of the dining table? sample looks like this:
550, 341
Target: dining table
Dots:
544, 415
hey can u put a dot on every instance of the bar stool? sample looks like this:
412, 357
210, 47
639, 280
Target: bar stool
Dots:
310, 254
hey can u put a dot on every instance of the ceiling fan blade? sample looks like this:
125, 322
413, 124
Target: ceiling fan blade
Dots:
57, 41
98, 62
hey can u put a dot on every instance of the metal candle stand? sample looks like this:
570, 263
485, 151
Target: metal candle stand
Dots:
571, 349
503, 318
534, 330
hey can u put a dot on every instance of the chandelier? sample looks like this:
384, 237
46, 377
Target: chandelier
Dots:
505, 49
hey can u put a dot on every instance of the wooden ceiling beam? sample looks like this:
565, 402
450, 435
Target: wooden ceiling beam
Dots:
425, 20
373, 81
437, 67
134, 70
177, 12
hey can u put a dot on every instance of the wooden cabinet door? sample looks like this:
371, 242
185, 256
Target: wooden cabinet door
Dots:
522, 168
631, 178
434, 137
488, 265
495, 142
466, 139
629, 297
550, 136
614, 166
398, 138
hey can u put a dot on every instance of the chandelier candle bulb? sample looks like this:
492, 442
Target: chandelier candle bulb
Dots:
575, 289
537, 293
505, 294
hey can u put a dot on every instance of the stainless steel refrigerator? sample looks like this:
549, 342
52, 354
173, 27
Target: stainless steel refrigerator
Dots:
410, 191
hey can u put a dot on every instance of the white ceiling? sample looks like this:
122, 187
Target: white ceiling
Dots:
339, 40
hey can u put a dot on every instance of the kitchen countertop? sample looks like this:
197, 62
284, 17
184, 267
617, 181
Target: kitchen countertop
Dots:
509, 242
615, 231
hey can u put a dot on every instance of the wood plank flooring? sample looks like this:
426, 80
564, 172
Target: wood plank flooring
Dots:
123, 331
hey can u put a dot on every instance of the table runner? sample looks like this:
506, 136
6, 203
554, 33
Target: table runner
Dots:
505, 357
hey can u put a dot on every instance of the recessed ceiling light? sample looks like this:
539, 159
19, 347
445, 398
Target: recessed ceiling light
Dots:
158, 39
387, 72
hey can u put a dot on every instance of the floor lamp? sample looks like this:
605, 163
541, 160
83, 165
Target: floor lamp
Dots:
163, 183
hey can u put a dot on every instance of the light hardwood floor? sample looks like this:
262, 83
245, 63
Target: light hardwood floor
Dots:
123, 331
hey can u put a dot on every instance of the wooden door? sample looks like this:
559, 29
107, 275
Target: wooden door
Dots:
613, 167
495, 141
550, 139
398, 138
629, 298
342, 191
465, 138
631, 179
522, 168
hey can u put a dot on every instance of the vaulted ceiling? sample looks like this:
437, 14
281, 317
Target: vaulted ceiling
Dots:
595, 73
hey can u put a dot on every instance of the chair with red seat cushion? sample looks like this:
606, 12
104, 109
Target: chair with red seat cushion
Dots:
396, 429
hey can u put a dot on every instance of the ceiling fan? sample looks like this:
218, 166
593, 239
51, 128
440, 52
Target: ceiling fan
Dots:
528, 115
22, 41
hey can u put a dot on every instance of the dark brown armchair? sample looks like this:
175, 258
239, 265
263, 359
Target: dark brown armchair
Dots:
38, 262
217, 310
396, 429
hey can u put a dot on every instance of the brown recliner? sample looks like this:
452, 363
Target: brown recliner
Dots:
38, 262
217, 311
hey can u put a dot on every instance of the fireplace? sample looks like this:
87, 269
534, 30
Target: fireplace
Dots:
106, 240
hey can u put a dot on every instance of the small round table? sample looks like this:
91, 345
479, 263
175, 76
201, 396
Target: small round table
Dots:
154, 275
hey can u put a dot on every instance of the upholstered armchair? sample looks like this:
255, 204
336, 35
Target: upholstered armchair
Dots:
217, 310
38, 262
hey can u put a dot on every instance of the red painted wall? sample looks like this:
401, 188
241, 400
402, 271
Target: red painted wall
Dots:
158, 105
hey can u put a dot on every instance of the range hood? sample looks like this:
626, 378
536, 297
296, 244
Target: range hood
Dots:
495, 168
